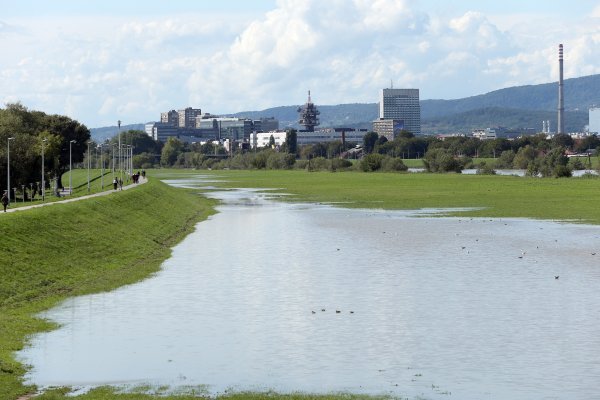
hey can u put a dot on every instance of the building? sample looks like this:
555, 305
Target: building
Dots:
187, 117
309, 115
227, 128
262, 139
403, 105
594, 122
484, 134
266, 124
170, 118
329, 135
390, 128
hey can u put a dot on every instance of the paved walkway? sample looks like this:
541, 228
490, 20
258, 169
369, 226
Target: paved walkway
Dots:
69, 200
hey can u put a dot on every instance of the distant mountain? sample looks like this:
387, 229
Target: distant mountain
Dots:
514, 108
502, 117
580, 94
107, 132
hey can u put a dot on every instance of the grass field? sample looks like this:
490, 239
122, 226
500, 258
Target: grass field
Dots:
498, 196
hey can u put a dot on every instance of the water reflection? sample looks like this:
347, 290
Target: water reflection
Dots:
428, 307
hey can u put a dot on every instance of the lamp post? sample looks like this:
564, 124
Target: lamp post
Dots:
88, 157
8, 169
43, 181
120, 159
101, 146
71, 168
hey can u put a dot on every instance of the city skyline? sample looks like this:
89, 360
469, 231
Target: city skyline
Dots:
102, 61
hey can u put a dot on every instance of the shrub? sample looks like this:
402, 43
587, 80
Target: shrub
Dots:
485, 169
340, 163
371, 162
441, 160
393, 164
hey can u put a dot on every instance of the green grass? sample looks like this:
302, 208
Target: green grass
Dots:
499, 196
93, 245
80, 177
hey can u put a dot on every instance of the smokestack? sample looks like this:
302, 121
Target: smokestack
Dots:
561, 99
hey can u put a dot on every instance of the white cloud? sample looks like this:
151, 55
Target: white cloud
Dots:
100, 70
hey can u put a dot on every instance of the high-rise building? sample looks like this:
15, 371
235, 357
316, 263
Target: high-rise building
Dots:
594, 124
170, 118
403, 105
187, 117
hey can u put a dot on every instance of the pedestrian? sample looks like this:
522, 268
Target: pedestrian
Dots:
143, 173
5, 200
115, 183
121, 183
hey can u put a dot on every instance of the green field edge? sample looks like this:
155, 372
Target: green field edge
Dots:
487, 196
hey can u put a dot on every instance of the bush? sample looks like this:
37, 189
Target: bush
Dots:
340, 163
371, 162
441, 160
317, 164
393, 164
485, 169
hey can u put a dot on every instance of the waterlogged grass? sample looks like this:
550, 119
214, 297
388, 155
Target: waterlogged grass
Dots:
51, 253
493, 196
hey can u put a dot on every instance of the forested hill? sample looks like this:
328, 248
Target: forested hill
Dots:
580, 94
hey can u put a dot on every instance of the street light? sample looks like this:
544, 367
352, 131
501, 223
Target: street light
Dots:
8, 169
71, 168
88, 157
100, 146
43, 181
120, 159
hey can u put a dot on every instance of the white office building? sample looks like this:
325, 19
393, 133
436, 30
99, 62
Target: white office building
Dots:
594, 124
401, 104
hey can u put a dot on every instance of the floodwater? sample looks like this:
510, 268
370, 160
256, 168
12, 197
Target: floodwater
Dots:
304, 297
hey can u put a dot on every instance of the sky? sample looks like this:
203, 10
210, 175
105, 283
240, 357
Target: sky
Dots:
99, 61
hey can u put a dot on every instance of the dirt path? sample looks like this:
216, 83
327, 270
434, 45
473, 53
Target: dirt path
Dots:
89, 196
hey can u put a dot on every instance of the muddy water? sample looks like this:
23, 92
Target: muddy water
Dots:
266, 295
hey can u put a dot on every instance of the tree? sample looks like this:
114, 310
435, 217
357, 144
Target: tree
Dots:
170, 152
524, 157
291, 141
369, 141
562, 140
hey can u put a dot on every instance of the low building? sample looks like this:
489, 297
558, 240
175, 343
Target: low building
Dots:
390, 128
484, 134
262, 139
330, 135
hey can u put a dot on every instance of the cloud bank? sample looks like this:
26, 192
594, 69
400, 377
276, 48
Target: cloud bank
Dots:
98, 70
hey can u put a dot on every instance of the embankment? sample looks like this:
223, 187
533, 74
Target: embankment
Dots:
51, 253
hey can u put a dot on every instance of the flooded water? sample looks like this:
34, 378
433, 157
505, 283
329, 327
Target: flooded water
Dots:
303, 297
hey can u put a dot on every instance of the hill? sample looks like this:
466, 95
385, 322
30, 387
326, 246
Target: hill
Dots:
106, 132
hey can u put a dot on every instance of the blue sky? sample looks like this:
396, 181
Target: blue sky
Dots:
102, 60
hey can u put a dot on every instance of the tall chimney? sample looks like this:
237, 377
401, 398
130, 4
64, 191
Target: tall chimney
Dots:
561, 99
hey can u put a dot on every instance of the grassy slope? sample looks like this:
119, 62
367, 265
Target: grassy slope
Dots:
65, 250
501, 196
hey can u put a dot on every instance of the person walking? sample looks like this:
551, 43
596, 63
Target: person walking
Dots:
115, 183
120, 184
5, 200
